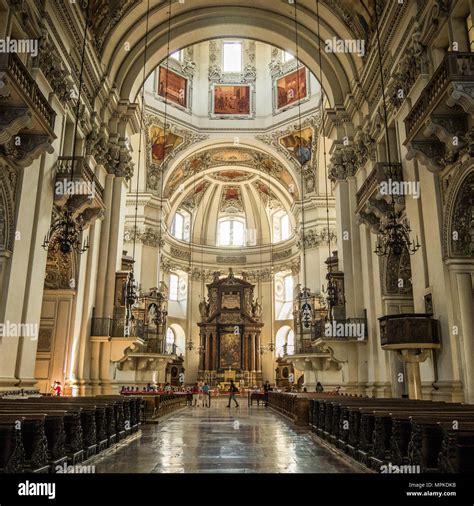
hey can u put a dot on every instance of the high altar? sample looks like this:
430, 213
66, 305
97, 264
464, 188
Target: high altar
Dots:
230, 332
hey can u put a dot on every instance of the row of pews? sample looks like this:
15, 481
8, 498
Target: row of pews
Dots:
42, 434
294, 406
430, 436
157, 406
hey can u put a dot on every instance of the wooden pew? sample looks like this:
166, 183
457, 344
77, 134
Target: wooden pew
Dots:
12, 451
33, 438
377, 431
294, 406
457, 448
427, 436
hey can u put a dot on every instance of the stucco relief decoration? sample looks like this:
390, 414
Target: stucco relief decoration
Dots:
231, 200
314, 238
147, 236
97, 143
343, 163
462, 224
267, 195
194, 197
51, 63
413, 62
107, 13
359, 18
118, 159
364, 147
8, 187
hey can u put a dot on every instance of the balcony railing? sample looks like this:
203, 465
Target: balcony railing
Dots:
114, 328
11, 64
100, 327
350, 329
82, 171
454, 67
381, 172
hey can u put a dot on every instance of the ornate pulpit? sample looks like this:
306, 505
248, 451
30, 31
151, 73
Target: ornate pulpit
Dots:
230, 332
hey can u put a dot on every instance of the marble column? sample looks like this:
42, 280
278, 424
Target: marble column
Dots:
114, 260
253, 355
104, 246
257, 352
202, 344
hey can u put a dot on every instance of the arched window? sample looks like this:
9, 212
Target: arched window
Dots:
281, 226
177, 55
170, 337
284, 293
231, 233
174, 282
232, 54
181, 225
290, 343
287, 56
285, 341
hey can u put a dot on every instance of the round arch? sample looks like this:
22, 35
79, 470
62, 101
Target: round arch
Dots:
270, 22
179, 337
285, 336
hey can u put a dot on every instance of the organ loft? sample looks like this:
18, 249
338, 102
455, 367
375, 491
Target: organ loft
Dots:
230, 332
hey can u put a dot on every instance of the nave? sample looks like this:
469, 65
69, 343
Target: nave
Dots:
221, 440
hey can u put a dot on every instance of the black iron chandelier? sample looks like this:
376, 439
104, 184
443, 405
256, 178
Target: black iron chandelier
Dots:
394, 236
394, 232
65, 233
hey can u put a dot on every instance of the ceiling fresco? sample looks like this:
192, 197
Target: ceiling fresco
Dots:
218, 157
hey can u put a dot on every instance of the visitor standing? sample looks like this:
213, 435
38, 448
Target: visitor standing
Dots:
232, 391
195, 394
206, 401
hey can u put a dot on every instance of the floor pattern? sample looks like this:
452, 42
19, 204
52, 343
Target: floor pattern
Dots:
222, 440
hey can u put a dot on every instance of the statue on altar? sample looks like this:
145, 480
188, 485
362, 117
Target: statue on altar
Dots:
204, 308
256, 309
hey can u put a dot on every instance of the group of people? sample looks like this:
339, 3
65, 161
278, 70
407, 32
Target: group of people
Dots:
200, 395
150, 389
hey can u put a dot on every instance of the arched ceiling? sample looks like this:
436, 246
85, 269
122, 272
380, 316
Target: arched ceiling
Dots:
231, 165
230, 181
120, 27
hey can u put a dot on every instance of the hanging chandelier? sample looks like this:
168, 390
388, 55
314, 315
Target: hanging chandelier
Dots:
65, 235
65, 232
131, 288
394, 232
394, 236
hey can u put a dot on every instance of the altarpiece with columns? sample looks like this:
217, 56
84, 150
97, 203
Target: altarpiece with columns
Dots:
230, 332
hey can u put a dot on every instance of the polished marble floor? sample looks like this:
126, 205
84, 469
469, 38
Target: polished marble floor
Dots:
223, 440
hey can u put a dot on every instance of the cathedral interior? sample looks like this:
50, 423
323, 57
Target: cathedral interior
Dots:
272, 195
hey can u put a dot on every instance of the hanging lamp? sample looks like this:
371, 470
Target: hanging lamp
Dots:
65, 233
394, 233
131, 287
